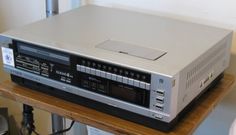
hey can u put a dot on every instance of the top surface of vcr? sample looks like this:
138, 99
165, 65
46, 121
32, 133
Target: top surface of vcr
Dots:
137, 40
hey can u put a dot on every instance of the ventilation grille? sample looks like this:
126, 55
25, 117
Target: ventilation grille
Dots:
207, 63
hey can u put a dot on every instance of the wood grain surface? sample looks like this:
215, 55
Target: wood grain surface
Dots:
187, 125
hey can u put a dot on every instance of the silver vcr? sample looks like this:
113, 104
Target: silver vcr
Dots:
182, 58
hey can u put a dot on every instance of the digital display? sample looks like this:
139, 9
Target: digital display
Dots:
129, 94
43, 53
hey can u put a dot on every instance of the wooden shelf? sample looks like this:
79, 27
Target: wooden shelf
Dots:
109, 123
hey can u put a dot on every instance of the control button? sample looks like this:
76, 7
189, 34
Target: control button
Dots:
92, 71
138, 76
126, 73
131, 81
131, 74
160, 92
119, 78
98, 72
83, 62
147, 86
159, 106
109, 69
142, 85
125, 80
78, 67
103, 74
143, 77
104, 67
87, 70
113, 77
82, 69
121, 72
136, 83
88, 63
158, 116
99, 66
160, 97
108, 75
94, 65
115, 70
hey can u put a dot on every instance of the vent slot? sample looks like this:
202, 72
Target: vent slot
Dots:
203, 66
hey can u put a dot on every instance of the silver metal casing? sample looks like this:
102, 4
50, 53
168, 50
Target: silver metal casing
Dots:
183, 58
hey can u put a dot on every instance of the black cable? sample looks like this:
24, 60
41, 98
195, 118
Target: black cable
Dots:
35, 132
64, 130
28, 121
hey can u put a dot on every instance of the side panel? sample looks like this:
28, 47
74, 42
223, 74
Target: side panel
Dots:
201, 72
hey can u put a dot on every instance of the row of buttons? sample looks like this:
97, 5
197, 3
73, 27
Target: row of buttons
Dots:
159, 100
116, 70
114, 77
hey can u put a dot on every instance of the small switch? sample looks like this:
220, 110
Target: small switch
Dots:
147, 86
92, 71
87, 70
158, 116
119, 78
103, 74
82, 69
113, 77
131, 81
108, 75
142, 85
98, 72
136, 83
125, 80
78, 67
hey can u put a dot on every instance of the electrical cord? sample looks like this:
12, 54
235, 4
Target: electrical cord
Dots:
65, 130
28, 123
35, 132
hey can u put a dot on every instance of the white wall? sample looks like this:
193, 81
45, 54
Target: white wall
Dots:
14, 13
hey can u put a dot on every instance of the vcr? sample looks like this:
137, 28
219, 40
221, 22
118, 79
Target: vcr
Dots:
139, 67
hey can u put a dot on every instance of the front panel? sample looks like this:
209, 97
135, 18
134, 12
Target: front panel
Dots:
152, 96
118, 86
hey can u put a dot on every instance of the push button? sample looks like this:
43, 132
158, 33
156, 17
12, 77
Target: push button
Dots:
158, 116
136, 83
113, 77
78, 67
147, 86
98, 72
82, 69
108, 75
103, 74
131, 81
125, 80
142, 85
87, 70
119, 78
92, 71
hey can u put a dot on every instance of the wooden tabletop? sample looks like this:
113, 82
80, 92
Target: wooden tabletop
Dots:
113, 124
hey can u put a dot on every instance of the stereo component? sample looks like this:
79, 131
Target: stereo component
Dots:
140, 67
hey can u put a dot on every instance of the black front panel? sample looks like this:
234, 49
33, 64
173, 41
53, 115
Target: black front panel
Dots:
62, 67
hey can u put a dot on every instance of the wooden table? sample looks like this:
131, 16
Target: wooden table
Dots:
113, 124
